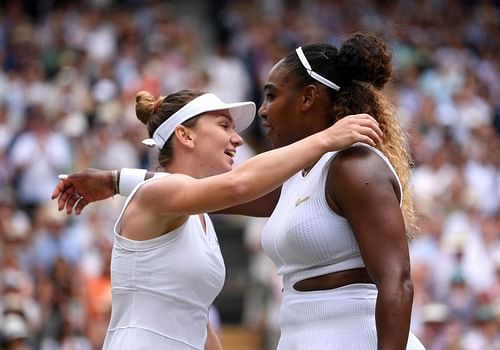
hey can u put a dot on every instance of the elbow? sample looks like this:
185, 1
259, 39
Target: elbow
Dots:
398, 283
406, 284
408, 288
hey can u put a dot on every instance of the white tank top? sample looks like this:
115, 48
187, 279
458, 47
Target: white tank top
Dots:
165, 285
304, 236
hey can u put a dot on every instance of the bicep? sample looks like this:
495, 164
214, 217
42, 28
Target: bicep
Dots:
378, 225
365, 194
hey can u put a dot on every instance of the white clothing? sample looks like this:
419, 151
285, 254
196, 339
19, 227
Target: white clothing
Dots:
334, 319
306, 238
162, 287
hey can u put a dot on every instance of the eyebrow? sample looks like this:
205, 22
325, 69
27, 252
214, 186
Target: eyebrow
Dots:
269, 86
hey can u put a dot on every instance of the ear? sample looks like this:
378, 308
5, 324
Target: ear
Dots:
309, 95
184, 135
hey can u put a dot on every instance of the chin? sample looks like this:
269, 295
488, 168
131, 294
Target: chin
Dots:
275, 141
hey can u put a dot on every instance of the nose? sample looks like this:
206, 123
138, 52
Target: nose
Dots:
262, 112
236, 139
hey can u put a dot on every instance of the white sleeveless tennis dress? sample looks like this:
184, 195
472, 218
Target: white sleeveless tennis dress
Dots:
306, 238
163, 287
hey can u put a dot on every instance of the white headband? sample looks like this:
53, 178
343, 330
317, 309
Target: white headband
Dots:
242, 113
312, 73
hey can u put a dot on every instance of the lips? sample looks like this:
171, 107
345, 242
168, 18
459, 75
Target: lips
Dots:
230, 153
267, 128
266, 125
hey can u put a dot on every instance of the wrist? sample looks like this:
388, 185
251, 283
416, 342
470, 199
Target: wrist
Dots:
115, 175
322, 142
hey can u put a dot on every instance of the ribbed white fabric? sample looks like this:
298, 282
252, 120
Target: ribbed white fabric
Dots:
305, 238
335, 319
162, 287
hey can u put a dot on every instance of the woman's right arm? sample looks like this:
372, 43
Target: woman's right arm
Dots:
180, 194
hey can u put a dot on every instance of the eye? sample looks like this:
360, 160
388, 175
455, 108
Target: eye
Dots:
269, 95
225, 125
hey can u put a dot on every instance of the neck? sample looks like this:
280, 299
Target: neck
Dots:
315, 125
187, 167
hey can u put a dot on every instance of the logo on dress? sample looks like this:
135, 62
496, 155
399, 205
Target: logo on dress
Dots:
301, 200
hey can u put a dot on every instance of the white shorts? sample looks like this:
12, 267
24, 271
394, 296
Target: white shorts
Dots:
335, 319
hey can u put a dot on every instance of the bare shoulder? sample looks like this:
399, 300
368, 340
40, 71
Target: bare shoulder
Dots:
169, 182
358, 173
150, 211
157, 190
360, 162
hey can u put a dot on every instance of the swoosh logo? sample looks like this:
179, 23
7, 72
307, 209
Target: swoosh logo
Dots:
301, 200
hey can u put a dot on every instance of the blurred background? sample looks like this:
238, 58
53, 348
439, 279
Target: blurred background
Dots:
69, 73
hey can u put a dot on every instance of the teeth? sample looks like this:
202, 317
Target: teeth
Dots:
230, 153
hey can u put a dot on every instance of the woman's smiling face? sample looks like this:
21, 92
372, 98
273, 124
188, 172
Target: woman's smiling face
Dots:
216, 142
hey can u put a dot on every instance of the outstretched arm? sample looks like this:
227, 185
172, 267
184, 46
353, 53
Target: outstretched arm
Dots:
179, 194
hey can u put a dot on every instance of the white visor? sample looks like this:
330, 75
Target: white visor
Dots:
242, 113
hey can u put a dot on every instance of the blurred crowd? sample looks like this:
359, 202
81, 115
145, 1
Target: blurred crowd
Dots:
69, 73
